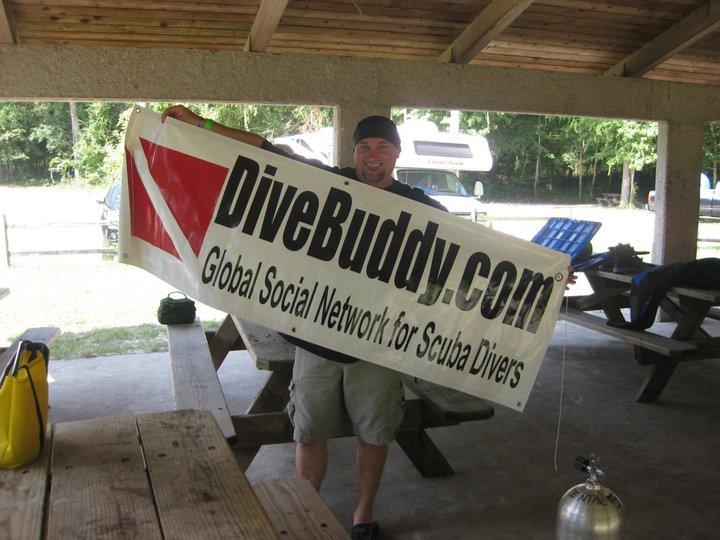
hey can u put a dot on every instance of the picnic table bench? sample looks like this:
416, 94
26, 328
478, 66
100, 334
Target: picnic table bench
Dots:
196, 355
38, 335
158, 475
687, 308
608, 199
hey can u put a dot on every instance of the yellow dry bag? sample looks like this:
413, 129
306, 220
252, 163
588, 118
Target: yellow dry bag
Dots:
23, 405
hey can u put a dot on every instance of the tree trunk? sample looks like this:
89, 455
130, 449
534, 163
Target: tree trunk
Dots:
609, 181
715, 173
594, 176
581, 171
626, 189
75, 128
536, 181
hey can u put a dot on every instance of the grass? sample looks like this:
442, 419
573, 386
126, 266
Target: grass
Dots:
100, 307
117, 340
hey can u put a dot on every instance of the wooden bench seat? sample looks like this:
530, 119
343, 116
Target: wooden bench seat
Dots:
38, 335
297, 511
272, 352
447, 403
195, 384
662, 345
269, 350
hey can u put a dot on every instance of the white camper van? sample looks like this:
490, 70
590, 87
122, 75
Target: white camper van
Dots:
316, 145
430, 160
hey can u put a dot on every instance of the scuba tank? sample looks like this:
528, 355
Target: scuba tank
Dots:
589, 510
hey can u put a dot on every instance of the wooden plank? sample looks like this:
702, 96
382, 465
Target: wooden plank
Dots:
7, 26
600, 298
96, 251
427, 458
701, 22
226, 339
297, 511
24, 11
264, 25
655, 382
275, 427
199, 490
660, 344
195, 384
701, 294
448, 403
630, 9
25, 27
38, 335
217, 6
22, 496
689, 316
273, 397
99, 486
491, 21
268, 349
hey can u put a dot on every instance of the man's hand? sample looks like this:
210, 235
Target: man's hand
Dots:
572, 278
182, 113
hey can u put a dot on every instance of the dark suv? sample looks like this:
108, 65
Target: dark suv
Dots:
110, 213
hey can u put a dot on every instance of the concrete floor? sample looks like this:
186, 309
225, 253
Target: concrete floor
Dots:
660, 458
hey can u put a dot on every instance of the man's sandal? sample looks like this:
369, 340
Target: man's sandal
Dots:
365, 531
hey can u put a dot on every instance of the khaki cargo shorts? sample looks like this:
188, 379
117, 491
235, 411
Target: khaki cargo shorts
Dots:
323, 394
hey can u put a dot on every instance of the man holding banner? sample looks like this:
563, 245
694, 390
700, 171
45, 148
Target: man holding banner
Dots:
326, 383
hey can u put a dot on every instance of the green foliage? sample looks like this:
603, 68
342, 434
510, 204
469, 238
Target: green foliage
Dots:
36, 138
711, 149
36, 144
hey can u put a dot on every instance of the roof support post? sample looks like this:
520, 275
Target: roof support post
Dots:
345, 118
679, 162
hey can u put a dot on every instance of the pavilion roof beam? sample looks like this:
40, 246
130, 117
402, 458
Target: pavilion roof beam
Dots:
490, 23
697, 25
264, 25
7, 28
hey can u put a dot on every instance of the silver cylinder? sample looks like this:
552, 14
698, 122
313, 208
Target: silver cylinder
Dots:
589, 511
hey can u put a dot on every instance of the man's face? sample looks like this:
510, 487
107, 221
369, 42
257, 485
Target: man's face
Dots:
375, 160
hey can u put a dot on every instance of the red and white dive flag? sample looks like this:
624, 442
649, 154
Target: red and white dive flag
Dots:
338, 263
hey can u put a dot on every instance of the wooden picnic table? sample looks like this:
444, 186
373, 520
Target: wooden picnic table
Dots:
195, 359
608, 199
159, 475
687, 308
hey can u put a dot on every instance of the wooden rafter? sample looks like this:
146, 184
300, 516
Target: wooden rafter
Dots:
264, 25
697, 25
7, 33
491, 21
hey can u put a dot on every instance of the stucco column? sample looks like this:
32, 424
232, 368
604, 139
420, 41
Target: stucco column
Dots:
345, 118
677, 191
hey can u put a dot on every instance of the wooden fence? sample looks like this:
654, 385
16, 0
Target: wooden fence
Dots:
6, 253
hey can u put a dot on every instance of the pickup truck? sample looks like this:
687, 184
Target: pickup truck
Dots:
709, 198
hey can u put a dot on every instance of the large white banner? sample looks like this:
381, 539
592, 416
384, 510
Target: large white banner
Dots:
338, 263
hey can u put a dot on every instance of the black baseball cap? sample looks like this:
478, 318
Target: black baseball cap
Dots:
376, 126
